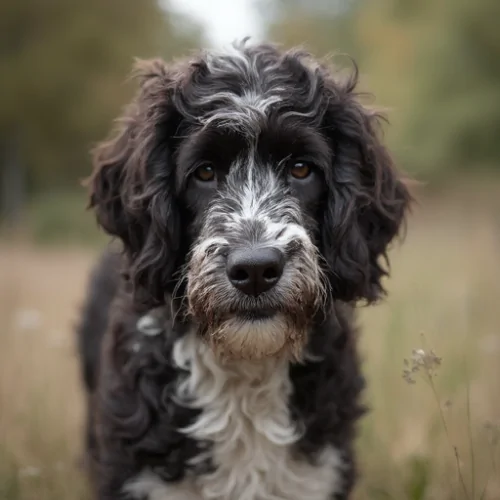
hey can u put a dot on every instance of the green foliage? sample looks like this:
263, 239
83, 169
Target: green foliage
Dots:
9, 482
420, 478
63, 64
322, 26
434, 63
61, 217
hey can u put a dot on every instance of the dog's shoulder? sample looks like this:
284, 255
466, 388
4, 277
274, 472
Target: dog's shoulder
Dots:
139, 340
139, 415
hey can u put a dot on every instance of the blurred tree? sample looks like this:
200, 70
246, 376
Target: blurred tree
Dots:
322, 26
452, 115
436, 63
63, 66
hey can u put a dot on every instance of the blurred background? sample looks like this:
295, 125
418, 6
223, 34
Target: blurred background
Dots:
433, 64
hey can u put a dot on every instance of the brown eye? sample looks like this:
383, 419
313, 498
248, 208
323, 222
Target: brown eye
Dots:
300, 170
205, 173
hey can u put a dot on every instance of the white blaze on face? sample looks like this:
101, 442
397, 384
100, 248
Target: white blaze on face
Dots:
263, 199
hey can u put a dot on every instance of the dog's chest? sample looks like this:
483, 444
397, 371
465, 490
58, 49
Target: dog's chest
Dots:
246, 419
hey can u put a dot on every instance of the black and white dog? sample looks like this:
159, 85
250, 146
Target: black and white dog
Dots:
255, 204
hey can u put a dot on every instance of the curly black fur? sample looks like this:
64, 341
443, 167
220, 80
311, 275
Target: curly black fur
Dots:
140, 192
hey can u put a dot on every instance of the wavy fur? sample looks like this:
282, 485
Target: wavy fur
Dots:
197, 391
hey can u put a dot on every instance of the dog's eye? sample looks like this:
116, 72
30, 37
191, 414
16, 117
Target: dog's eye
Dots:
205, 173
300, 169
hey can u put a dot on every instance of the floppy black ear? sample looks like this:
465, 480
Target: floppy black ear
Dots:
367, 199
132, 184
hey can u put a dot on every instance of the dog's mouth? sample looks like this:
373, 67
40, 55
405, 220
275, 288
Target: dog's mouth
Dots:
254, 331
254, 315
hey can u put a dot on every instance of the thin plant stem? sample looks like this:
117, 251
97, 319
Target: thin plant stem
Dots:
427, 381
493, 459
453, 447
493, 470
485, 487
471, 444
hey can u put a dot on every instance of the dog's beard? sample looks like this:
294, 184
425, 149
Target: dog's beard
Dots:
241, 339
253, 328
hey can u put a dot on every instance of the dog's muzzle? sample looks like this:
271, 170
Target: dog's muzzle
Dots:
254, 279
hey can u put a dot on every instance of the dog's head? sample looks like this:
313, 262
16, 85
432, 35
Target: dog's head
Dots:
254, 183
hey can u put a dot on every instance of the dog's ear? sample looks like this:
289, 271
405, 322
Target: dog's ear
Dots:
367, 198
132, 184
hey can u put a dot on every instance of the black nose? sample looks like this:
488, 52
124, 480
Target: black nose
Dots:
254, 271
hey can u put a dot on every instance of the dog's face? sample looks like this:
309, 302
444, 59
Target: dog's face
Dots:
254, 184
254, 275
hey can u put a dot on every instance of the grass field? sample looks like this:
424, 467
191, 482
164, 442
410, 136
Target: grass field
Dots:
445, 285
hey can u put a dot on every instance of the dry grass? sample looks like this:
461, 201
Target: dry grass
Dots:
40, 400
446, 285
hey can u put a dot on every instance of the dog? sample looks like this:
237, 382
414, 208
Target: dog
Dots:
254, 202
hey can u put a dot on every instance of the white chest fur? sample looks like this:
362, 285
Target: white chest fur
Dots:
245, 415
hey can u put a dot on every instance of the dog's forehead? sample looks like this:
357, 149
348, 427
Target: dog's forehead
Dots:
244, 85
247, 68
